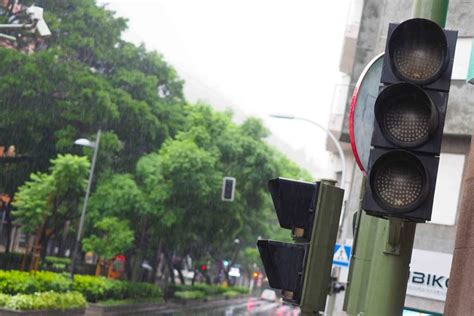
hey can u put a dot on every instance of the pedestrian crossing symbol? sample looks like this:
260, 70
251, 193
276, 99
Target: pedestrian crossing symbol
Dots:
342, 255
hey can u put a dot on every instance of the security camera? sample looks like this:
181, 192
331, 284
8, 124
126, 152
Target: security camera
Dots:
36, 14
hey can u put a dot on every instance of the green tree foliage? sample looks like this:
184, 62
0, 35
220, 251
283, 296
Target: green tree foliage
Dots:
87, 79
50, 200
111, 236
161, 161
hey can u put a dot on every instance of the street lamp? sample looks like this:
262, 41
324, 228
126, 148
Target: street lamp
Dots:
330, 134
86, 143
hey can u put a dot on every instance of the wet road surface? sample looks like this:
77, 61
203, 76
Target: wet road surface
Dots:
241, 307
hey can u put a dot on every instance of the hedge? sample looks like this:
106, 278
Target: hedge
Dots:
92, 287
203, 290
43, 301
100, 289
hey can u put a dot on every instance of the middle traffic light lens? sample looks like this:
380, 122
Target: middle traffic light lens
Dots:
406, 115
398, 180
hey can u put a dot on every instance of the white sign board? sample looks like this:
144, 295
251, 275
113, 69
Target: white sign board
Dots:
429, 274
448, 189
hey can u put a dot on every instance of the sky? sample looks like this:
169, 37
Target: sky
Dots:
256, 57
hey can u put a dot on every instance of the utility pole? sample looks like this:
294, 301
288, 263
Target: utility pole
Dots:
382, 251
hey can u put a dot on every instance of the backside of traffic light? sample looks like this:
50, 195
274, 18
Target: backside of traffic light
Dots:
302, 270
409, 115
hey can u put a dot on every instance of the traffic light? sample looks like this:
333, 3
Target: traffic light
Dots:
409, 117
228, 189
302, 270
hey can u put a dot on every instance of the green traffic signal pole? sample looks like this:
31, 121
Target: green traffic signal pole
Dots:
379, 271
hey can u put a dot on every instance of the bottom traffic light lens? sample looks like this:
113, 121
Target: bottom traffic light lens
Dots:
399, 181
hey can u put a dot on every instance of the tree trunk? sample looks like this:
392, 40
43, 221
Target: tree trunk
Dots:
194, 276
154, 264
8, 231
181, 276
169, 264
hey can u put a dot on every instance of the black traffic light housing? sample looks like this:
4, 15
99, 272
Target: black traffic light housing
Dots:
228, 189
410, 113
302, 270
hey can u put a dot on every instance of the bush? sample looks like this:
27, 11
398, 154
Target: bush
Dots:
55, 263
18, 282
42, 301
240, 289
142, 290
190, 295
208, 290
100, 289
92, 287
231, 294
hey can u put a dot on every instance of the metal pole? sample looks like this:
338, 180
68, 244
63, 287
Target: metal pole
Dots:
84, 206
342, 185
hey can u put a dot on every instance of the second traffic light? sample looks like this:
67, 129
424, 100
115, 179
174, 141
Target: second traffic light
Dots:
409, 115
302, 270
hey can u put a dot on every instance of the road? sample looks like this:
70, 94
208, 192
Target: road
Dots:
240, 307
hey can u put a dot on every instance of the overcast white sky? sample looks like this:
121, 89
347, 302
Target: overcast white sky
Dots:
255, 56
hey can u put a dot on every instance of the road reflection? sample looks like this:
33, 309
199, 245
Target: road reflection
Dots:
244, 307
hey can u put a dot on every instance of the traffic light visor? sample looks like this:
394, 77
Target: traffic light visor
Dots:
295, 202
406, 115
399, 181
284, 264
418, 51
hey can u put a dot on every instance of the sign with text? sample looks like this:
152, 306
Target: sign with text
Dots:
429, 274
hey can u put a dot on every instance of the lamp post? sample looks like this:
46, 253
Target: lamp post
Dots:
95, 145
330, 134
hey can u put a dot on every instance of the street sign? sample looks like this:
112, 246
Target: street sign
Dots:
361, 115
342, 255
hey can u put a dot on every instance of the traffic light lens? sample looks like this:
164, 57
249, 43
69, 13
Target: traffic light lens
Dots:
420, 62
407, 123
406, 115
418, 50
399, 181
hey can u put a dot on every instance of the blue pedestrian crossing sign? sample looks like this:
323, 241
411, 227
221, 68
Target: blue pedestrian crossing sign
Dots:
342, 255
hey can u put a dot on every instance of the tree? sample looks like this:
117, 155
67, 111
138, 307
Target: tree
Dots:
111, 236
48, 201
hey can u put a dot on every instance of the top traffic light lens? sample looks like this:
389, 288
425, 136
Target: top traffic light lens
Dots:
418, 51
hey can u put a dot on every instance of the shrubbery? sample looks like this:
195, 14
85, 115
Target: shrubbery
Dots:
17, 282
190, 295
99, 289
92, 287
199, 291
42, 301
